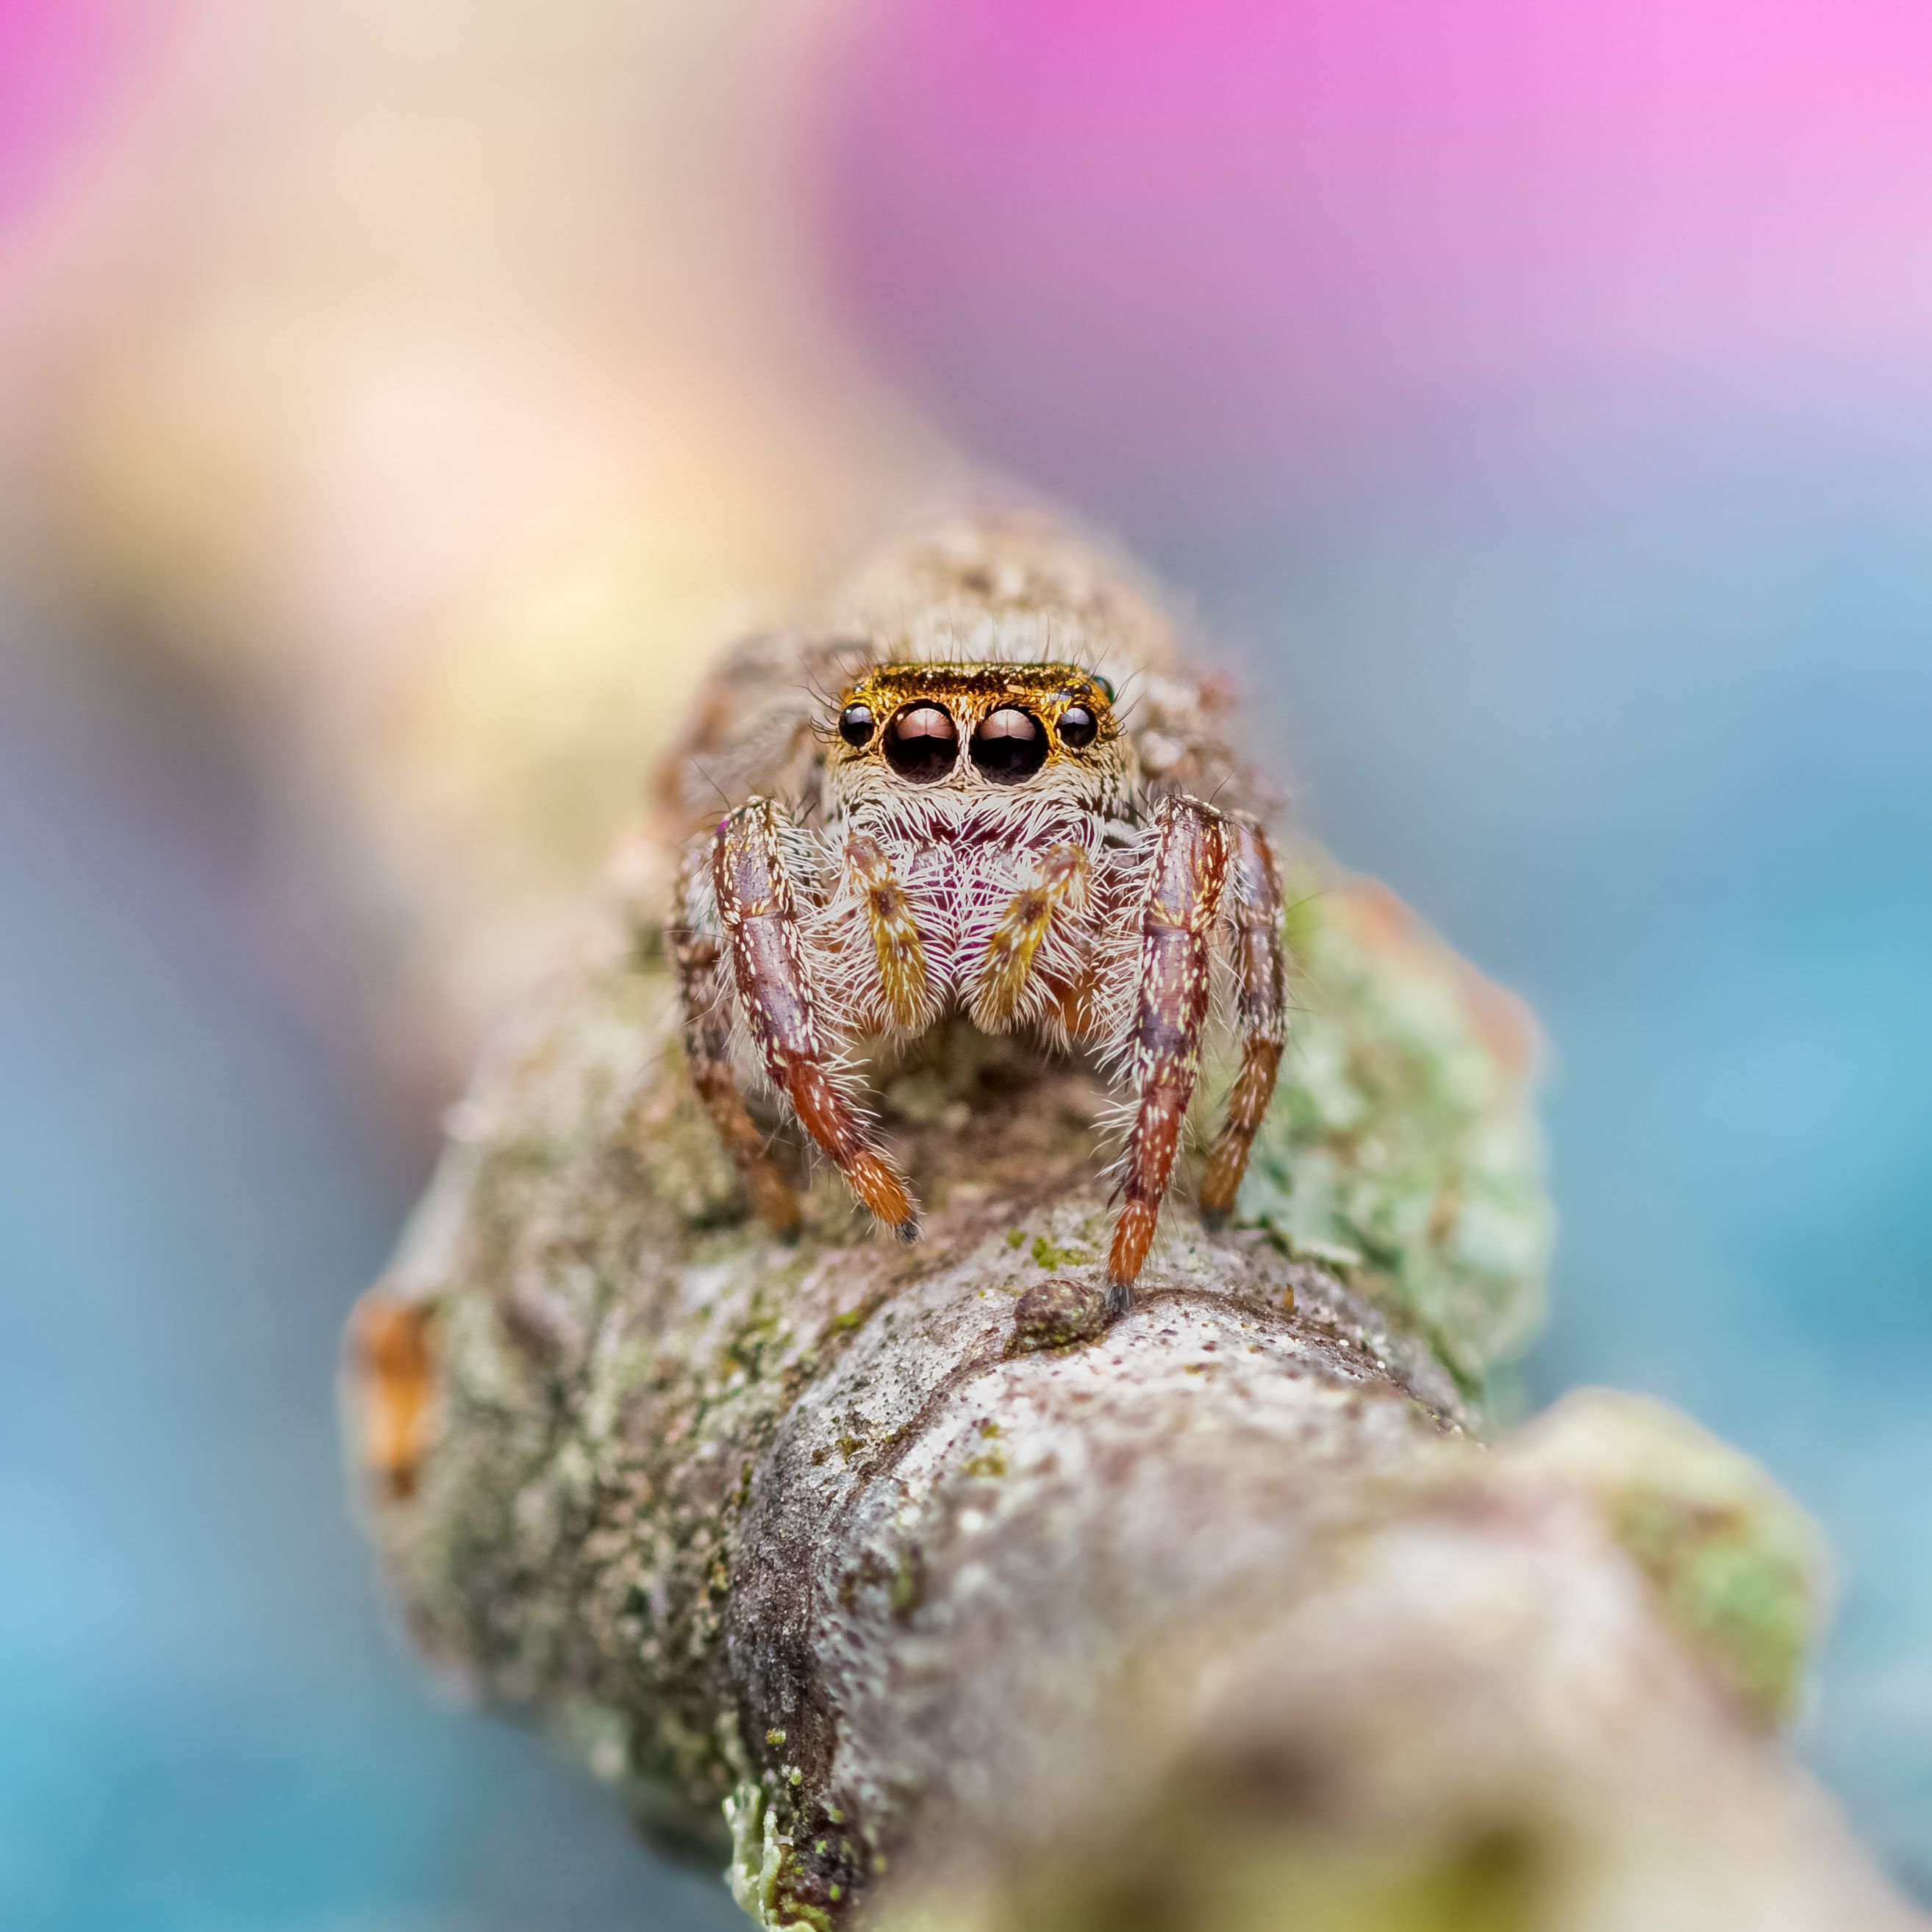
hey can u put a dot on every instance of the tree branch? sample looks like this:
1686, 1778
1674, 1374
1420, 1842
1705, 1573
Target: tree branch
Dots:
953, 1602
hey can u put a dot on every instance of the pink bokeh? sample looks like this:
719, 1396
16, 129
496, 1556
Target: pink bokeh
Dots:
1108, 232
65, 65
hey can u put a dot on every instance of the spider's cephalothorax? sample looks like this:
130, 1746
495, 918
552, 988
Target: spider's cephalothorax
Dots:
979, 836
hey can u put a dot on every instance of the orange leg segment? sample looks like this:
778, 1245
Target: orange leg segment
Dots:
1260, 979
758, 906
1177, 913
704, 988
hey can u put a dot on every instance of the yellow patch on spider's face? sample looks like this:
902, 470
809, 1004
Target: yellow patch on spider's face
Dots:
970, 726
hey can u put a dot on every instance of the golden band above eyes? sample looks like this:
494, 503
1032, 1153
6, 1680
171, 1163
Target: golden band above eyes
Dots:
1021, 720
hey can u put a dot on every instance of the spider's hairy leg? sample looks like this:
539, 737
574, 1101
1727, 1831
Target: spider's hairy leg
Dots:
1253, 921
1178, 913
704, 992
896, 946
758, 905
1061, 886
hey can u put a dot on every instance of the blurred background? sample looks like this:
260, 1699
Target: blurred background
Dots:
399, 397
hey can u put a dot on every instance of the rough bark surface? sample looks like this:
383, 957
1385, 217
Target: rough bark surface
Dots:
897, 1580
1217, 1617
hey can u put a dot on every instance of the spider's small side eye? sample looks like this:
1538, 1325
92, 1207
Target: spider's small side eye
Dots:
1106, 687
1009, 745
922, 743
855, 724
1077, 726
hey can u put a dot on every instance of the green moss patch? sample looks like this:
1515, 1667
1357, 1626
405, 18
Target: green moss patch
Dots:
1738, 1567
1400, 1151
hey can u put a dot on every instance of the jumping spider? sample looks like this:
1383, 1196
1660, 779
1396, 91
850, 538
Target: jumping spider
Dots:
979, 835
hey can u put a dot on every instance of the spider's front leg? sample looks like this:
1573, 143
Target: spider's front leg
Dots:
1261, 982
757, 904
1188, 870
701, 949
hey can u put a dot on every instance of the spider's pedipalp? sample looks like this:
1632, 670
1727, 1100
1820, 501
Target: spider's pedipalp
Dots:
897, 949
1181, 901
1058, 892
757, 905
1254, 922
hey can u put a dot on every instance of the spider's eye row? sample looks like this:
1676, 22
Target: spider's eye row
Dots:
1010, 745
922, 743
1077, 726
855, 724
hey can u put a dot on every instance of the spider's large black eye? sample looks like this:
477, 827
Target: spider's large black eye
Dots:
1077, 726
1009, 745
855, 724
922, 743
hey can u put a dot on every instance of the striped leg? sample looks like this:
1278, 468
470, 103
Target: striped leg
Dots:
704, 990
759, 909
1016, 940
1260, 980
1178, 913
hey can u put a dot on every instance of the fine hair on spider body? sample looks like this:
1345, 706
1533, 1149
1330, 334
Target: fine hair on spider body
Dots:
919, 833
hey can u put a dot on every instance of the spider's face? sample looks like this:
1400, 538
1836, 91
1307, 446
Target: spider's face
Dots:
1027, 730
